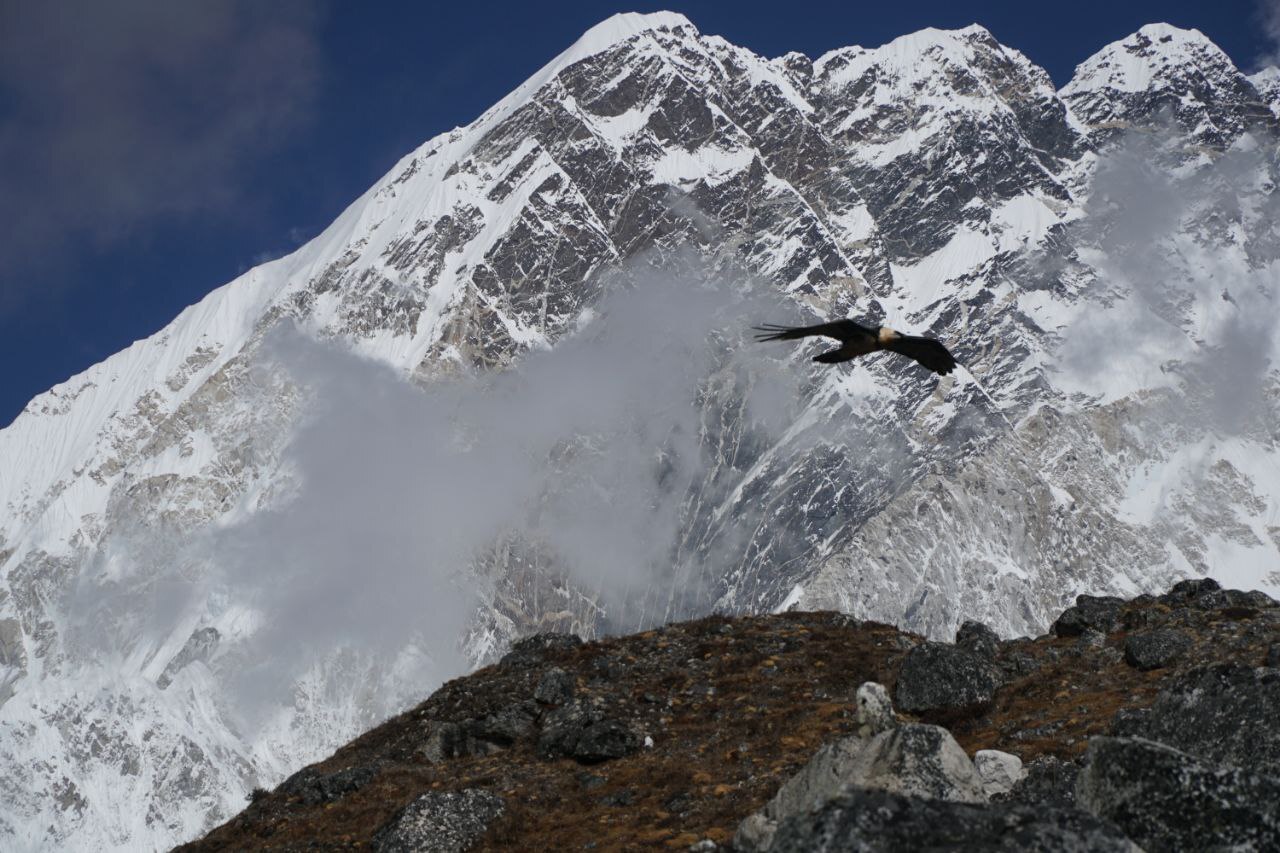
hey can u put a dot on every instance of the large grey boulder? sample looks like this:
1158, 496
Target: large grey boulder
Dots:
1164, 799
440, 822
938, 676
1226, 713
884, 822
912, 759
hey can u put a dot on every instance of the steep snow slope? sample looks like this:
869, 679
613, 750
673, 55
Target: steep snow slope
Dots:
1109, 294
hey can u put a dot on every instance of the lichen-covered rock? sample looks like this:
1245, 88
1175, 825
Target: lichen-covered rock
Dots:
555, 687
1226, 713
1048, 781
1187, 590
998, 771
912, 759
440, 822
1099, 612
580, 731
1165, 799
938, 676
979, 639
884, 822
1155, 649
507, 725
315, 788
535, 648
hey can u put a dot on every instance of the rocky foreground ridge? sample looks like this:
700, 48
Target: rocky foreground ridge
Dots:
1140, 724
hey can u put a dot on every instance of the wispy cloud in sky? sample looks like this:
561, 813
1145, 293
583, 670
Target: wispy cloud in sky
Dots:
1268, 15
114, 116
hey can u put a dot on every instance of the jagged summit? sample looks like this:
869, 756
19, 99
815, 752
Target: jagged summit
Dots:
1165, 70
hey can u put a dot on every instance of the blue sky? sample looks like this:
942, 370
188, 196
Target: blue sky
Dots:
152, 150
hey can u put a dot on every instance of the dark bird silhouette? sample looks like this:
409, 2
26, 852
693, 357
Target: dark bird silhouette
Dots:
857, 339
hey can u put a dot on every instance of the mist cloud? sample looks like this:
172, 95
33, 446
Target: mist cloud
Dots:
1187, 261
114, 115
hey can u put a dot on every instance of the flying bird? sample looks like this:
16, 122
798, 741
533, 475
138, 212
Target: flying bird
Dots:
857, 339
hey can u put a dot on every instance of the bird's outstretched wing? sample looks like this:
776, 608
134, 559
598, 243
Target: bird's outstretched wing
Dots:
841, 330
929, 352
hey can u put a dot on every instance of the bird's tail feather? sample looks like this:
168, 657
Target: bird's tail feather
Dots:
930, 353
774, 332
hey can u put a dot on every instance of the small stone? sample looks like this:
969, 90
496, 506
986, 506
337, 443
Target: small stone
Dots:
1273, 655
1155, 649
979, 639
998, 771
624, 797
875, 711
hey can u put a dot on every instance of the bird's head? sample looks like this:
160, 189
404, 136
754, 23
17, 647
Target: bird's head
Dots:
887, 335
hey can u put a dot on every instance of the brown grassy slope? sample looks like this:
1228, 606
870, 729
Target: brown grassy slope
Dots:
734, 707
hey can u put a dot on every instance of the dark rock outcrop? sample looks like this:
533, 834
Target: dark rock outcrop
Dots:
315, 788
1155, 649
580, 731
1099, 612
1227, 713
555, 687
1048, 781
534, 649
942, 677
1164, 799
440, 821
874, 821
979, 639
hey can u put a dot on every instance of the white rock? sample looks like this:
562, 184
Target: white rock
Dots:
998, 771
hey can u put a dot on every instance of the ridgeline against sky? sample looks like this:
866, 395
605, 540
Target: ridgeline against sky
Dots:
148, 155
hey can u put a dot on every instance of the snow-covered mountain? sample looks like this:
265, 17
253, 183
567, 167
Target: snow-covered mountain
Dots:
1101, 258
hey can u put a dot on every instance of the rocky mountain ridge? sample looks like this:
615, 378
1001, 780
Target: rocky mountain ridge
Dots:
1145, 721
938, 182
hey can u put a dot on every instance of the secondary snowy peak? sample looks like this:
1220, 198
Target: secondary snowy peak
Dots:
1162, 69
944, 107
1267, 82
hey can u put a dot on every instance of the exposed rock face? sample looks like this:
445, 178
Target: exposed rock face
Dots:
939, 180
883, 822
448, 822
1164, 799
937, 676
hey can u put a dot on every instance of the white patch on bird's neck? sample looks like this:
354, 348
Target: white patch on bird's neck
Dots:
887, 335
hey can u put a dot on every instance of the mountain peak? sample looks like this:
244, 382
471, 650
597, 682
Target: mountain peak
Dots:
1154, 56
622, 26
